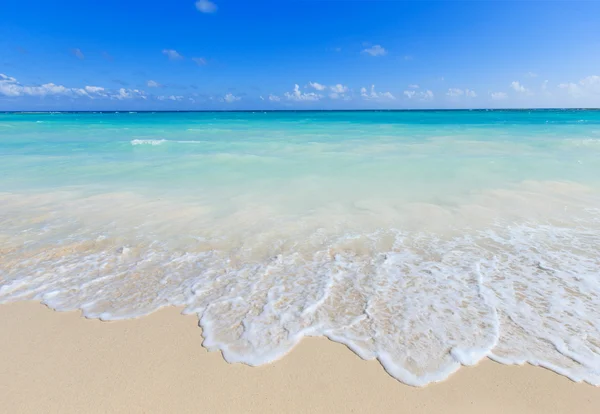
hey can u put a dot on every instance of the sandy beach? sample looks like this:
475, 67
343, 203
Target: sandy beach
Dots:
207, 208
60, 362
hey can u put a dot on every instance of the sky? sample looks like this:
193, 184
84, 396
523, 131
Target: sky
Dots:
298, 54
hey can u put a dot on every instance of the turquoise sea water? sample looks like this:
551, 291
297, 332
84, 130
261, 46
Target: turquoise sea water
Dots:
425, 239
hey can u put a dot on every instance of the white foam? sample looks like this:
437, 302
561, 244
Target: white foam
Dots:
148, 141
161, 141
423, 301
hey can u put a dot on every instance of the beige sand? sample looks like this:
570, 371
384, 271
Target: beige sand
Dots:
63, 363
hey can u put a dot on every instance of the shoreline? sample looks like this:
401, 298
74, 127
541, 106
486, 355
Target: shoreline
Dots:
62, 362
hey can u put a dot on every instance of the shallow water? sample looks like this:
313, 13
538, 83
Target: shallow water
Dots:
426, 240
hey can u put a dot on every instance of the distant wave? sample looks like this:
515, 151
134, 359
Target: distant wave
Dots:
148, 141
160, 142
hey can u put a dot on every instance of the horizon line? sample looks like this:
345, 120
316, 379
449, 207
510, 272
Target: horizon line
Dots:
296, 110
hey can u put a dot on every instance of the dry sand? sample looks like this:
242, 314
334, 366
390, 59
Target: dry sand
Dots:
63, 363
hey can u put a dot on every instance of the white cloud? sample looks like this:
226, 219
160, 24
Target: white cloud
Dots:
171, 98
153, 84
53, 89
339, 91
423, 96
206, 6
335, 95
456, 93
298, 95
544, 85
78, 53
317, 86
408, 57
413, 86
339, 88
129, 94
427, 95
274, 98
532, 74
585, 88
572, 89
7, 78
83, 92
591, 82
518, 87
376, 50
123, 94
470, 93
200, 61
172, 54
95, 91
498, 96
229, 98
9, 86
373, 95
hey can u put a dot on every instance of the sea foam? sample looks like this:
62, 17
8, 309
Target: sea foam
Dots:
423, 302
148, 141
155, 142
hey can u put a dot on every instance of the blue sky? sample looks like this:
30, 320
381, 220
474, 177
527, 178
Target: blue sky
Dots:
230, 54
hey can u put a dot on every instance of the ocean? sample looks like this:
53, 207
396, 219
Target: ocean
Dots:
425, 239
